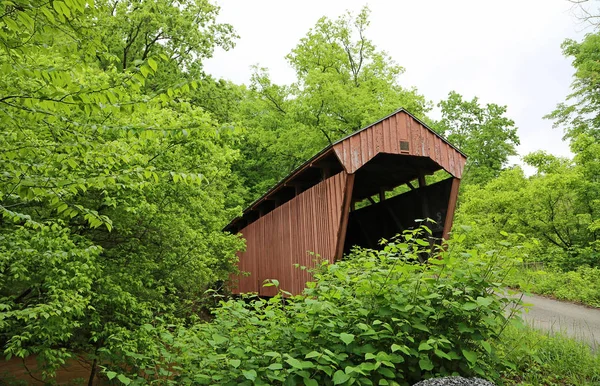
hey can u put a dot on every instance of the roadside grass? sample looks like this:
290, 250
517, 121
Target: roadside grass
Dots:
581, 286
544, 358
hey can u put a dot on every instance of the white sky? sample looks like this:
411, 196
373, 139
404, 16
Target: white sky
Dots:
505, 52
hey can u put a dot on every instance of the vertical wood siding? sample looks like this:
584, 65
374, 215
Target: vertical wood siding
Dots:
385, 137
283, 237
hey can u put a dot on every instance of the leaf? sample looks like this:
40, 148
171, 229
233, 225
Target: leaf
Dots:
424, 346
484, 302
347, 338
218, 339
486, 346
249, 374
310, 382
470, 355
469, 306
425, 364
235, 363
152, 63
111, 374
145, 71
124, 380
340, 377
294, 362
275, 366
386, 372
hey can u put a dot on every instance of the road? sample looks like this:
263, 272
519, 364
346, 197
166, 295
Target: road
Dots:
576, 321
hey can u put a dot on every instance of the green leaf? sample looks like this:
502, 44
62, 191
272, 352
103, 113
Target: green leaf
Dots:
294, 362
275, 366
347, 338
235, 363
469, 306
152, 63
219, 340
424, 346
111, 374
310, 382
425, 364
470, 355
340, 377
486, 346
124, 380
386, 372
484, 302
145, 71
250, 374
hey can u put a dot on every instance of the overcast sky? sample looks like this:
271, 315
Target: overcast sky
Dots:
505, 52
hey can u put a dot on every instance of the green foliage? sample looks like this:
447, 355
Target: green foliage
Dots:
547, 359
580, 285
112, 193
343, 83
184, 32
377, 317
578, 117
551, 206
483, 133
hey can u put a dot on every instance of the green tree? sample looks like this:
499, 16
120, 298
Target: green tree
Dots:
551, 206
343, 83
185, 32
485, 134
112, 195
579, 117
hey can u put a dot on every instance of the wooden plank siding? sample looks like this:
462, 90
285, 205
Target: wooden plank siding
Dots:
283, 237
385, 137
317, 220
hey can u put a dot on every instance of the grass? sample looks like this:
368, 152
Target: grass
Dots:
542, 358
581, 286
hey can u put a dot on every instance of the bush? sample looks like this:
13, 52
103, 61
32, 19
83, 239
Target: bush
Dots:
377, 317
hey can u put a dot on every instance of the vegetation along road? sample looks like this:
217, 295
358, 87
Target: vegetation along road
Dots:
574, 320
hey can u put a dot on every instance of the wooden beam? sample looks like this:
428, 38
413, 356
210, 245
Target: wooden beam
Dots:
451, 207
410, 185
422, 181
381, 195
341, 237
424, 201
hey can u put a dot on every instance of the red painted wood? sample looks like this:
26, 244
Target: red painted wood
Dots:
385, 137
285, 236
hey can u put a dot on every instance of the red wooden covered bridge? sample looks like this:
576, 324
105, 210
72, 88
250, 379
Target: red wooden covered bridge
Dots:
313, 208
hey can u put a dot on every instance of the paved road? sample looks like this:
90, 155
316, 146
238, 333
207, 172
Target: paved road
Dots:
571, 319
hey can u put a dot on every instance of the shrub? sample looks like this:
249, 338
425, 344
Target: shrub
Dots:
377, 317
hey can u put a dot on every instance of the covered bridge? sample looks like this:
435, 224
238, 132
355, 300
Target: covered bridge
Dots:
313, 208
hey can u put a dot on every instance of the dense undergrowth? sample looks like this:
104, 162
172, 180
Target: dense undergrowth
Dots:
378, 317
581, 285
542, 358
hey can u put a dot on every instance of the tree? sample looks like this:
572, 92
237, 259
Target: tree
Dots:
579, 117
483, 133
343, 83
185, 32
112, 195
551, 206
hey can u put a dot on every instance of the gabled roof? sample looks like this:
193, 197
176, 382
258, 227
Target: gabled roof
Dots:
398, 133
